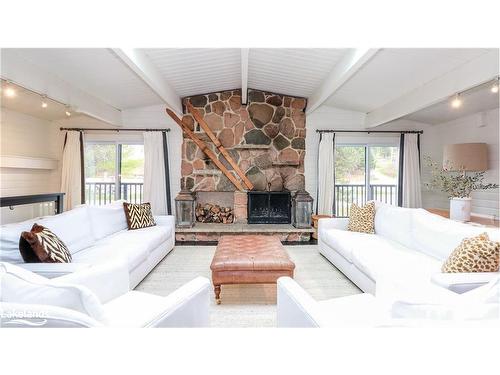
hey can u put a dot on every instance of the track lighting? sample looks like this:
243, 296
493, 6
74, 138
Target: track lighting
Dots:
68, 111
9, 91
456, 102
44, 101
494, 88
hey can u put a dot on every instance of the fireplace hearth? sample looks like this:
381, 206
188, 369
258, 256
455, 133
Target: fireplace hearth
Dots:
269, 207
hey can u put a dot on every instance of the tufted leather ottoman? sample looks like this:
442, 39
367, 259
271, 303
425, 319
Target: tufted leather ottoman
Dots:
249, 259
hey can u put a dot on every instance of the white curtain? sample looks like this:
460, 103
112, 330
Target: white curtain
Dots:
326, 174
412, 194
71, 173
154, 173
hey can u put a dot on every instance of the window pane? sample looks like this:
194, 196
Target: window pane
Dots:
100, 172
349, 178
132, 173
384, 166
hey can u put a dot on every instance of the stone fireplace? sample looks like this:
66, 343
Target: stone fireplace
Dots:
265, 138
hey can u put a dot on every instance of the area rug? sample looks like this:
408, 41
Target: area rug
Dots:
247, 305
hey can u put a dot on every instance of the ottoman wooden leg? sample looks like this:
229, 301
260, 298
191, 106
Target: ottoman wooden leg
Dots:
217, 294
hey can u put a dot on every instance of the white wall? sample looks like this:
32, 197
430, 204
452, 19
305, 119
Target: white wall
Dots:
473, 128
325, 117
155, 117
24, 135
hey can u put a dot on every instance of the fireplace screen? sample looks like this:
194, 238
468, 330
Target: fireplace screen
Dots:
271, 207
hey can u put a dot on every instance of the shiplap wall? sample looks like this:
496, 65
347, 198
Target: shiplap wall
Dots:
24, 135
474, 128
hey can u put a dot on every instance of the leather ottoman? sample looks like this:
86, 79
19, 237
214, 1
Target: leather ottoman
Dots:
249, 259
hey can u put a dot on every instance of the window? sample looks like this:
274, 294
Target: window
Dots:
363, 173
113, 171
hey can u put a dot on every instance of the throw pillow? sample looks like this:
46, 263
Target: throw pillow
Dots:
139, 215
42, 245
361, 219
476, 254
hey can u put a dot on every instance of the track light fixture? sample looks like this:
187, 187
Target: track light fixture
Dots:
9, 91
457, 101
494, 88
44, 101
68, 111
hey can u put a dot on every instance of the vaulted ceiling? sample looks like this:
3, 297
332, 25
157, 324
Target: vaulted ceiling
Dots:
383, 83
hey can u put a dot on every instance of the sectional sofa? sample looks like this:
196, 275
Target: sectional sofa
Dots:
408, 244
95, 235
408, 249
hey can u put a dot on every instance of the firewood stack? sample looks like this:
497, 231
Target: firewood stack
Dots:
213, 213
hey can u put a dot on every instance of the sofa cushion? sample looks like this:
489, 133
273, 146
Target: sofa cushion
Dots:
107, 220
476, 254
9, 240
25, 287
41, 245
345, 242
133, 253
394, 223
149, 238
438, 237
361, 219
72, 227
386, 258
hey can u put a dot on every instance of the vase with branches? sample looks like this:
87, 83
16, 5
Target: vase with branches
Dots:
458, 186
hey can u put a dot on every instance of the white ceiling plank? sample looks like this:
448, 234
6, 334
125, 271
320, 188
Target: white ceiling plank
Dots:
141, 65
244, 74
468, 75
343, 70
26, 74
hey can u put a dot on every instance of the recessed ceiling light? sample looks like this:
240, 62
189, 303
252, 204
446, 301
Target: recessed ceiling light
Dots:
456, 102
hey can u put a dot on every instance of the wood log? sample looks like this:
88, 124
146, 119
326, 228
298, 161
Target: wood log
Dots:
200, 120
206, 150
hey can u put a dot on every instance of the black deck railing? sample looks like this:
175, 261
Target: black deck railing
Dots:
345, 195
99, 193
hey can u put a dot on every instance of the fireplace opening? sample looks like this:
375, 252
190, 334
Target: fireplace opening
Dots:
269, 207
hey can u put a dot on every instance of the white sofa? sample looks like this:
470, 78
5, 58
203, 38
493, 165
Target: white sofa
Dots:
95, 235
98, 296
409, 245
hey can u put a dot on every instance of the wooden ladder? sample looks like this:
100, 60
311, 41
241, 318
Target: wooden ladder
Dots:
203, 147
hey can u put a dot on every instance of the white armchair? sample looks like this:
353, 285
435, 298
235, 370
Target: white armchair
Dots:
98, 296
409, 306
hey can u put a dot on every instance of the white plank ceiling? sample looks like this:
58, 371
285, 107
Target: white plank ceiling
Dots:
390, 74
193, 71
296, 71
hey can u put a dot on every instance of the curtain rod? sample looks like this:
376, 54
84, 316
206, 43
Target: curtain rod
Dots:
370, 131
119, 130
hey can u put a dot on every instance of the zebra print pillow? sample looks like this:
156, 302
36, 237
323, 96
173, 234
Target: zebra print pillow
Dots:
40, 245
139, 215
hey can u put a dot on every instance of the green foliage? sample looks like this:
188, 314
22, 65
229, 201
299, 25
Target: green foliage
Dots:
455, 184
100, 160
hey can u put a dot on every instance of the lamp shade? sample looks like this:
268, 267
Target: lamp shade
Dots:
465, 157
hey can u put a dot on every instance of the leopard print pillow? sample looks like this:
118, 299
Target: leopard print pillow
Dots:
362, 219
476, 254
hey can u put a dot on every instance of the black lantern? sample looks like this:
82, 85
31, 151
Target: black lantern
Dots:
302, 206
184, 209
